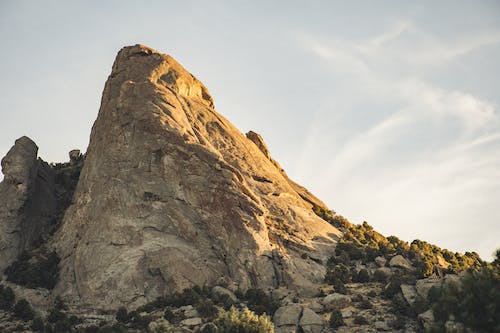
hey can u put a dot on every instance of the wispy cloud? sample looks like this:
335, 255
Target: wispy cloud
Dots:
425, 163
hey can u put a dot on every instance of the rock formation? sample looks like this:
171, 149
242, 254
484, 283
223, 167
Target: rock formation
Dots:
28, 203
171, 195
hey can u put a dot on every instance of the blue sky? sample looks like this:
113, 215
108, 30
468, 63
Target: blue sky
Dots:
388, 110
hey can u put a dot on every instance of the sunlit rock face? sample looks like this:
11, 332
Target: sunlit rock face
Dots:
171, 195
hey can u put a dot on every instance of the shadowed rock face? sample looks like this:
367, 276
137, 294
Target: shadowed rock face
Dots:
172, 194
27, 200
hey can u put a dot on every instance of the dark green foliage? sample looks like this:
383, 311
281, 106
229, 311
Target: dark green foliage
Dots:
259, 302
338, 272
37, 324
23, 310
362, 276
434, 294
398, 323
393, 287
7, 298
56, 315
34, 272
380, 276
475, 302
209, 328
360, 320
122, 315
170, 316
399, 306
336, 319
139, 321
206, 309
365, 304
339, 287
222, 300
354, 252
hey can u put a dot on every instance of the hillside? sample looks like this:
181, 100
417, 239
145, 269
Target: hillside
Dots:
173, 220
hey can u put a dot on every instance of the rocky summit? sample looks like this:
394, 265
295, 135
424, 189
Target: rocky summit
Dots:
175, 221
170, 195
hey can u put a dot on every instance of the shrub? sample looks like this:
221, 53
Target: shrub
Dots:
398, 323
380, 276
259, 302
160, 326
209, 328
474, 302
34, 272
360, 320
393, 287
354, 252
37, 324
244, 321
139, 321
336, 319
122, 315
170, 316
222, 300
338, 272
23, 310
207, 309
339, 287
366, 304
7, 298
362, 276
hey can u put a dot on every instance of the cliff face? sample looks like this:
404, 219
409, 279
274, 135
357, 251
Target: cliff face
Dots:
172, 194
28, 202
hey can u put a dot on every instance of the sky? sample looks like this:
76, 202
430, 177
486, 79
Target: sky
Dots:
389, 111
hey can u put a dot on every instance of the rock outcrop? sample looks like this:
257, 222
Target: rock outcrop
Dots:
171, 195
28, 201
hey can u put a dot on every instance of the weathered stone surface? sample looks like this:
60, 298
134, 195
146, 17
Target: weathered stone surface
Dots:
336, 301
424, 285
171, 195
19, 168
409, 293
288, 315
192, 322
218, 290
426, 319
75, 156
310, 322
400, 262
28, 200
381, 261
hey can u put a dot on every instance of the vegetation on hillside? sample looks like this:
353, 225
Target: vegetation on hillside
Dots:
474, 302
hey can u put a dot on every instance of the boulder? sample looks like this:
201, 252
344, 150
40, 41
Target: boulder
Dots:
409, 293
310, 322
288, 315
218, 290
380, 261
382, 326
400, 262
75, 155
191, 322
426, 319
424, 285
336, 301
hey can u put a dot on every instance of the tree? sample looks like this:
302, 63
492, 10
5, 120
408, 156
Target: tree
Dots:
23, 310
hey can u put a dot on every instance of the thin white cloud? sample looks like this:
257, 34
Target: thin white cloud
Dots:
442, 170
